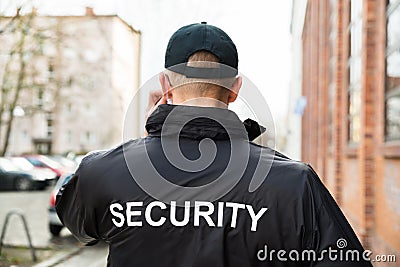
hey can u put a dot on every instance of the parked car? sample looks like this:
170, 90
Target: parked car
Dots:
26, 166
13, 178
67, 163
42, 161
78, 159
55, 225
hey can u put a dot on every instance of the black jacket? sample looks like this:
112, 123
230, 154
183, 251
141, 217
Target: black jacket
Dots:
295, 211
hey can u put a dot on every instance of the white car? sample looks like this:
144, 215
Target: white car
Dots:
42, 174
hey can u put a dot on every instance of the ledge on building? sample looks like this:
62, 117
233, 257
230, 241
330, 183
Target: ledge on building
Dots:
391, 149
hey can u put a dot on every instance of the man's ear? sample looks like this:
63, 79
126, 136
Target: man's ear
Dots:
165, 85
234, 91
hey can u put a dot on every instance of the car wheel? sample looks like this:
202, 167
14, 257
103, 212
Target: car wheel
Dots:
55, 229
23, 184
41, 187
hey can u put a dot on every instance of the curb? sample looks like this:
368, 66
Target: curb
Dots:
58, 257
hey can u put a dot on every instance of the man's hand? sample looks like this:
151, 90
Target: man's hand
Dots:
156, 98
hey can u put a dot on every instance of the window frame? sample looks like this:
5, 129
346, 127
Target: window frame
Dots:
389, 50
354, 86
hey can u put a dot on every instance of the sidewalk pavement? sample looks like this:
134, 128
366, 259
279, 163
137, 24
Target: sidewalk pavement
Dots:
95, 256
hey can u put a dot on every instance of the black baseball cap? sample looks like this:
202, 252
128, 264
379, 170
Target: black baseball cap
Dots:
196, 37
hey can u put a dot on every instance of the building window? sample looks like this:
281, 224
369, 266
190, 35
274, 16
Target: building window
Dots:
69, 137
49, 125
39, 100
354, 63
50, 69
86, 82
25, 135
70, 81
392, 96
88, 137
69, 107
89, 109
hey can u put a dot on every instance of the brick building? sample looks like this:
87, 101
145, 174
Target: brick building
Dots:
350, 78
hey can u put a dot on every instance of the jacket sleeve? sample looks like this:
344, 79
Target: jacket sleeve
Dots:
74, 212
333, 239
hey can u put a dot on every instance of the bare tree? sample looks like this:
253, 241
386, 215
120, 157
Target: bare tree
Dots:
26, 38
10, 96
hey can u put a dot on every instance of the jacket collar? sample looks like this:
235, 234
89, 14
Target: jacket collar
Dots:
195, 122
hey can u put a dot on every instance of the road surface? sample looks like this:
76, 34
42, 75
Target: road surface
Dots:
34, 205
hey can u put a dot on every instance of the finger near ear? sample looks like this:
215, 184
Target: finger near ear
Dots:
237, 84
164, 81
